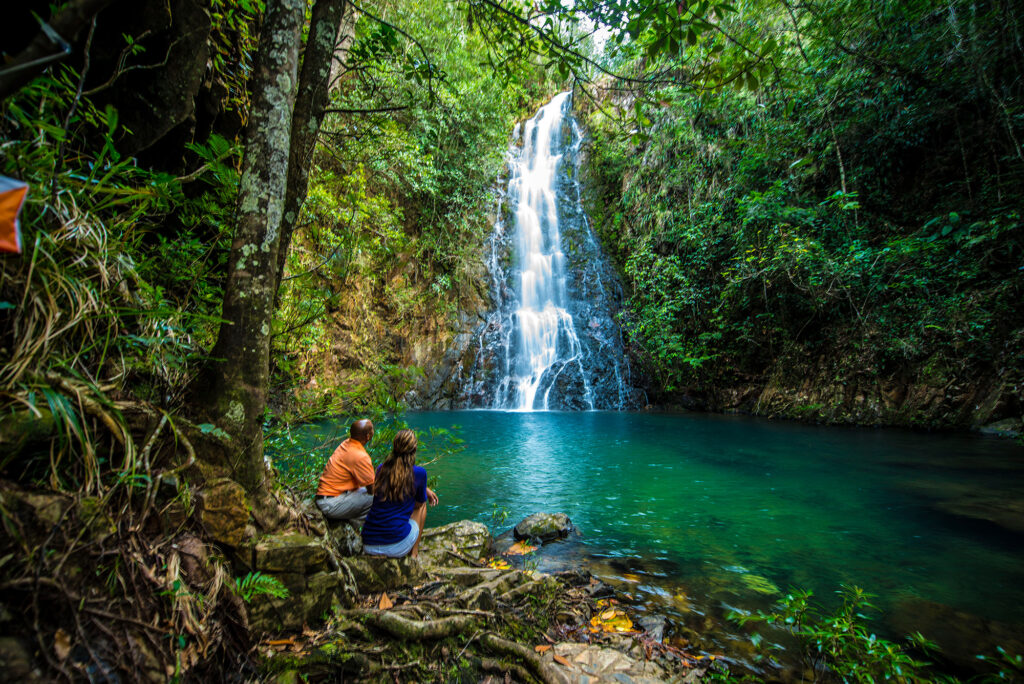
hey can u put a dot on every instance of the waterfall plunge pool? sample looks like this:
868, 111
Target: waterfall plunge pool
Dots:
696, 514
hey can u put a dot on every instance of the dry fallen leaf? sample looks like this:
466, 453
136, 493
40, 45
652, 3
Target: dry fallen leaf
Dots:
520, 548
563, 661
61, 644
611, 620
385, 602
542, 648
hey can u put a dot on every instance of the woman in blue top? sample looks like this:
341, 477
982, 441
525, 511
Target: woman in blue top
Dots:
400, 496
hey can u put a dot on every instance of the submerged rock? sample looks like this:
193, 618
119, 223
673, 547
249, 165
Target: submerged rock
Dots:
961, 636
1010, 427
1002, 509
543, 527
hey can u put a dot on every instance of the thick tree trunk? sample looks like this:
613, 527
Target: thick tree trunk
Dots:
326, 32
237, 391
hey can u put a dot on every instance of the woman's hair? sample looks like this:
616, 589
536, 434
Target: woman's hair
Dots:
394, 480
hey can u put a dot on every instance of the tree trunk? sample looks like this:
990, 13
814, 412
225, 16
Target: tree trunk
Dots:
326, 31
236, 392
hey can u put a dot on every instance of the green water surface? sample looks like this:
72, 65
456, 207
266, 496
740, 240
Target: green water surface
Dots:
725, 511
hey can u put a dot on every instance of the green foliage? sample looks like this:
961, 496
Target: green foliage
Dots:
233, 43
840, 213
94, 307
257, 584
401, 191
840, 646
1007, 667
299, 452
499, 514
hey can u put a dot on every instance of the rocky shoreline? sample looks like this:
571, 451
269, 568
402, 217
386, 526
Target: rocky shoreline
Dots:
304, 603
470, 608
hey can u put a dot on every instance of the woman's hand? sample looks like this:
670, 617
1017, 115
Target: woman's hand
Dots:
431, 497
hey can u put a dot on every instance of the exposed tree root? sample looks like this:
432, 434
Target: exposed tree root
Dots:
509, 648
416, 630
491, 665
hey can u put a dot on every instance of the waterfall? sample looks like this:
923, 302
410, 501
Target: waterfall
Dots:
552, 341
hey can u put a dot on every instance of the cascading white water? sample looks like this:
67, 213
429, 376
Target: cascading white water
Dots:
545, 327
551, 342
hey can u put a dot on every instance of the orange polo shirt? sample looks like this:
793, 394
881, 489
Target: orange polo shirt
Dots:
348, 468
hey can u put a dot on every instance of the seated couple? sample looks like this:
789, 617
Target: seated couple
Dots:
392, 501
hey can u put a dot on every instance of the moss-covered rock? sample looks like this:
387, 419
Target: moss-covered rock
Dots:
309, 601
224, 512
15, 662
95, 518
282, 553
544, 527
470, 539
1008, 427
373, 574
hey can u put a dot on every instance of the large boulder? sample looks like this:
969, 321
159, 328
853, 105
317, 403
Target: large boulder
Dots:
596, 664
543, 527
465, 537
376, 573
290, 553
309, 600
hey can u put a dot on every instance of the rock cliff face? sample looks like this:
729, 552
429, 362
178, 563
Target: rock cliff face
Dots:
816, 390
391, 334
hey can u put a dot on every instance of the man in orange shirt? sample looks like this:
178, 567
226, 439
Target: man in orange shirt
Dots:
346, 486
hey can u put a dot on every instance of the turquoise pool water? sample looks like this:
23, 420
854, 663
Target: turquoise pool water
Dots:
706, 513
